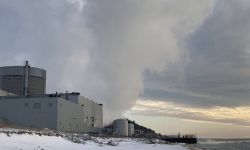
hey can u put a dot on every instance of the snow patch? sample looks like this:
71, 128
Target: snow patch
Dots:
16, 139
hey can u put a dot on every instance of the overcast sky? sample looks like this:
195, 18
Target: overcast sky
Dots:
181, 63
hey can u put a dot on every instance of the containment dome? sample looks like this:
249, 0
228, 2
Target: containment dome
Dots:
23, 80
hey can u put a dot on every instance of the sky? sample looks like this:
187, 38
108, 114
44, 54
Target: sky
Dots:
171, 65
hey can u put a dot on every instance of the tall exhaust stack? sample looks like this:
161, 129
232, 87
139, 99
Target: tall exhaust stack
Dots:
26, 78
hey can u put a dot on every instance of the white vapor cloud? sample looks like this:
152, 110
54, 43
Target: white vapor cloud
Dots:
132, 37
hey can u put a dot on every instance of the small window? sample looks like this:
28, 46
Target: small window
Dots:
26, 104
50, 104
37, 106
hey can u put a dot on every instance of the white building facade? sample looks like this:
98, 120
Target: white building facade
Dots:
74, 114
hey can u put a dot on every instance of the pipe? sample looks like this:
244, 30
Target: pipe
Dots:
26, 79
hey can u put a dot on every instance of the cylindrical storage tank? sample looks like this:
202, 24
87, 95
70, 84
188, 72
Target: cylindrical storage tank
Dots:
121, 127
131, 129
23, 80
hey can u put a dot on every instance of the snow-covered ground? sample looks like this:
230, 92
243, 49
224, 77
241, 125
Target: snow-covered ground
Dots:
43, 142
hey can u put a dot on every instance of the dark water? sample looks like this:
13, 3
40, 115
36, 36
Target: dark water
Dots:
212, 144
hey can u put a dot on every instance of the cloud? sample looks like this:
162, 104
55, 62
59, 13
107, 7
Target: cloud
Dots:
224, 115
218, 71
132, 38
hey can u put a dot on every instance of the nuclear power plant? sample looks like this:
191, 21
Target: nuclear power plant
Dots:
24, 102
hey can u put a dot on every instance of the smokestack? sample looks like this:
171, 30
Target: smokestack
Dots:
26, 78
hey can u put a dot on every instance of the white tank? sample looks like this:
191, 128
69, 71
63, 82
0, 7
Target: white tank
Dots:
131, 129
121, 127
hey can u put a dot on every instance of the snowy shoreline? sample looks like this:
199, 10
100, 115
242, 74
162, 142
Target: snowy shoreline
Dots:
15, 139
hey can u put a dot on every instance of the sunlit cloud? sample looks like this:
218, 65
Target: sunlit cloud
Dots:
225, 115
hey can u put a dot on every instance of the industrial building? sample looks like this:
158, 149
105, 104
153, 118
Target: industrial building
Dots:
23, 102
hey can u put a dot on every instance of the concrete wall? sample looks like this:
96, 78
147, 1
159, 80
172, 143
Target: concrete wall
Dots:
93, 112
33, 112
70, 117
